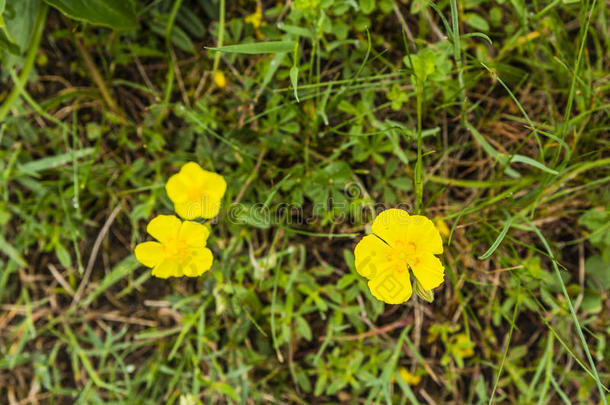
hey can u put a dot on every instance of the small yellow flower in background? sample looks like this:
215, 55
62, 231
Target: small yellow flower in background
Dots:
442, 227
196, 192
180, 251
400, 242
463, 346
256, 18
407, 377
220, 80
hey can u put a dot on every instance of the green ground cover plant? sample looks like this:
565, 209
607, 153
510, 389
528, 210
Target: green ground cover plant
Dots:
490, 118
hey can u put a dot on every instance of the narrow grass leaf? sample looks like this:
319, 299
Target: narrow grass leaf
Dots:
498, 240
11, 252
31, 168
532, 162
257, 47
490, 150
294, 80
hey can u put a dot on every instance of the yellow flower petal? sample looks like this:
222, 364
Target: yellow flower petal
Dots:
370, 255
214, 184
210, 206
424, 234
192, 172
201, 262
164, 227
429, 271
166, 268
188, 209
149, 253
176, 189
194, 234
391, 286
391, 225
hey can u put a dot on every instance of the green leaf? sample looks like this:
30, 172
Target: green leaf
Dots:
490, 150
294, 80
254, 215
63, 255
367, 6
498, 240
423, 64
257, 47
117, 14
303, 328
532, 162
476, 21
16, 26
598, 271
592, 302
402, 183
6, 42
51, 162
296, 30
177, 37
11, 252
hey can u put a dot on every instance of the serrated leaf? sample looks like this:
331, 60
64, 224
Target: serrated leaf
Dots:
117, 14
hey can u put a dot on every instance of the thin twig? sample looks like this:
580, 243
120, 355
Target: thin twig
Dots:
405, 27
94, 251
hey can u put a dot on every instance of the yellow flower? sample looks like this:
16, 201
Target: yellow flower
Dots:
442, 227
220, 80
463, 346
196, 192
407, 377
256, 19
400, 242
180, 251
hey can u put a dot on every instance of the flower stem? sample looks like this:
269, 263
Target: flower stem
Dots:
419, 170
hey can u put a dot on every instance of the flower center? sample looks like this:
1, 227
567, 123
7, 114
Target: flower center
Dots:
196, 194
176, 250
403, 253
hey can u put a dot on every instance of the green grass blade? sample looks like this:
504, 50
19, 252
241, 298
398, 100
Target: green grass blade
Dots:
257, 47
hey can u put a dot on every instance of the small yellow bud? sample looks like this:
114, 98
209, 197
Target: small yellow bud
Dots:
220, 80
408, 377
442, 227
